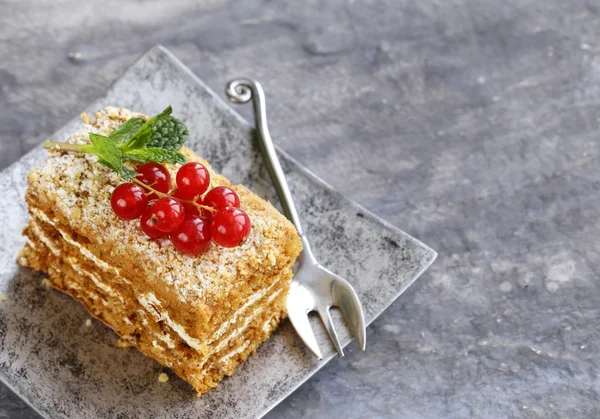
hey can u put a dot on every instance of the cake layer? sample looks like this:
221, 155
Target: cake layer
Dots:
72, 192
46, 251
119, 291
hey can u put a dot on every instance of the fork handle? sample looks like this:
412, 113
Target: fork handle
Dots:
242, 91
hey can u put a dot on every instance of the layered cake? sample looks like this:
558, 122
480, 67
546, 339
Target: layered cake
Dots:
200, 314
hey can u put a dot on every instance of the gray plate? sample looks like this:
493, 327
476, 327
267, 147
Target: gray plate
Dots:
66, 369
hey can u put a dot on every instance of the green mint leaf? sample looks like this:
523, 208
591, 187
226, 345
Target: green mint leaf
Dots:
128, 174
158, 155
125, 131
107, 152
169, 133
124, 172
144, 134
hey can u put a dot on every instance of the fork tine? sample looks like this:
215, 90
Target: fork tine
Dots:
326, 319
299, 319
347, 301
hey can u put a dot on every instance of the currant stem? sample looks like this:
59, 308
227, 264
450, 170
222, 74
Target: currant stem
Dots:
150, 188
65, 146
164, 195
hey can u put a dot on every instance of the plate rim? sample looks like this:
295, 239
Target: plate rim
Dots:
218, 101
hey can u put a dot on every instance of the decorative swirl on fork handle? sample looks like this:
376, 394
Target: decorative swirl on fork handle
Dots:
240, 90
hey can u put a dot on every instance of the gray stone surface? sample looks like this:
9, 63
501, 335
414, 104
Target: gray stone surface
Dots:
471, 124
70, 371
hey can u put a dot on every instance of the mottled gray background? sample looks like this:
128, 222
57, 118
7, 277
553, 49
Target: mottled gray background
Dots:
470, 124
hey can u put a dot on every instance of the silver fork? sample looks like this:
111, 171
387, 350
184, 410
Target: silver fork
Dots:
313, 288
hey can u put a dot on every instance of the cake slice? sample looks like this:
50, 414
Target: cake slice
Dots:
200, 315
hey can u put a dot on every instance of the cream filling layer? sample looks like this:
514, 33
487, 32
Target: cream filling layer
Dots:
265, 326
178, 329
69, 239
94, 296
48, 243
76, 267
43, 238
251, 300
151, 301
72, 284
152, 305
237, 332
234, 352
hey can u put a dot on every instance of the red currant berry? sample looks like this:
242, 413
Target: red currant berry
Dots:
192, 237
192, 179
156, 176
128, 201
167, 213
230, 226
221, 197
148, 225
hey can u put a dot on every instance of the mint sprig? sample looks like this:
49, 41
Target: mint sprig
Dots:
168, 133
157, 139
107, 152
155, 154
143, 135
125, 131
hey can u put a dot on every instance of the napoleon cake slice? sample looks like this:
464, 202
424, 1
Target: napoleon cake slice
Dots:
200, 315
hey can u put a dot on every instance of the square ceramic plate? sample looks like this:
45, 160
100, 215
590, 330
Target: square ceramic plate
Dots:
66, 369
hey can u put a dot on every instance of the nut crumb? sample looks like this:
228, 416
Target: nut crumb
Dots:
85, 118
113, 113
163, 378
76, 213
32, 177
88, 323
123, 343
46, 282
4, 297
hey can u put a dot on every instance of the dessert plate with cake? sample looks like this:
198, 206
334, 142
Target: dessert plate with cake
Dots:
155, 212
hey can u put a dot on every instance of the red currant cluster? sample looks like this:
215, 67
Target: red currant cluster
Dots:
190, 220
